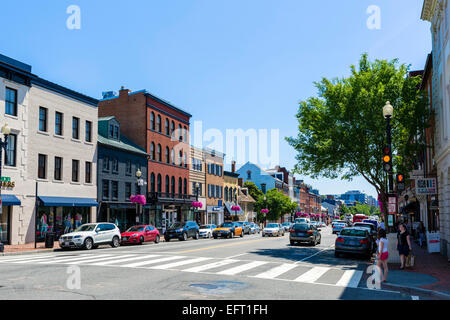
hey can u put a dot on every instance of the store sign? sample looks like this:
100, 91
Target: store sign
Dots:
426, 186
7, 183
392, 205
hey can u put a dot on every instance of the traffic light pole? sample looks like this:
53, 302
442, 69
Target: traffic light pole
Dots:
390, 173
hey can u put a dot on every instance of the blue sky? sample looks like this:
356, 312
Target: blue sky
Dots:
232, 64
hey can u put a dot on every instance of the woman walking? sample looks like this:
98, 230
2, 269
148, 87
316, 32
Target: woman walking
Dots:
403, 244
382, 254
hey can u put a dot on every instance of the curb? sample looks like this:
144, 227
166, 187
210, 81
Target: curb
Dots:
433, 292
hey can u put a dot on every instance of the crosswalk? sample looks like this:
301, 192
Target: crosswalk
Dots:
226, 267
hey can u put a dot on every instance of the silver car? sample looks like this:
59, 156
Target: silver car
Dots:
272, 230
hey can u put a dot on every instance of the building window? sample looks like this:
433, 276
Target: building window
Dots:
42, 166
42, 119
158, 123
88, 171
152, 120
105, 163
172, 185
111, 131
158, 183
75, 170
127, 191
75, 128
152, 151
128, 168
158, 152
185, 134
115, 165
152, 182
105, 189
58, 169
180, 133
172, 128
180, 158
185, 186
167, 155
116, 132
167, 127
167, 184
226, 193
180, 186
11, 102
11, 147
114, 190
185, 160
173, 156
58, 123
88, 131
249, 174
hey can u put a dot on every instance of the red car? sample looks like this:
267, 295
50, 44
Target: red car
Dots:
140, 234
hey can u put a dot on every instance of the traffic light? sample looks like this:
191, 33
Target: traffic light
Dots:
387, 159
400, 182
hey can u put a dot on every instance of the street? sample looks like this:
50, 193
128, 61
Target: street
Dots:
253, 267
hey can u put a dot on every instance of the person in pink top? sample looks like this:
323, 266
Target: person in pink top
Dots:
382, 253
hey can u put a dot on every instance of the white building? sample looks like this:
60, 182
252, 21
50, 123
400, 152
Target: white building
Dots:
53, 155
437, 12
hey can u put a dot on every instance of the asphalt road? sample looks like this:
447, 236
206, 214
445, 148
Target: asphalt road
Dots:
253, 267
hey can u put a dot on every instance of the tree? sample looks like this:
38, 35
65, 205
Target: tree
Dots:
342, 131
253, 190
277, 203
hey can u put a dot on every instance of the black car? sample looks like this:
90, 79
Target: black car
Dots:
354, 240
304, 232
182, 231
372, 230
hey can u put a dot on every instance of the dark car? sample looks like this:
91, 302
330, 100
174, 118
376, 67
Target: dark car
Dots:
372, 230
304, 232
354, 240
245, 226
182, 231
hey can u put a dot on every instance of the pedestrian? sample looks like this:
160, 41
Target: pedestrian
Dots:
421, 231
382, 254
382, 225
403, 244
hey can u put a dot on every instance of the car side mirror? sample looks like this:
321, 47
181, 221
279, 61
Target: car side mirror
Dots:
319, 229
97, 230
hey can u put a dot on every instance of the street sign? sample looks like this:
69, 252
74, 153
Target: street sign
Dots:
392, 205
6, 179
426, 186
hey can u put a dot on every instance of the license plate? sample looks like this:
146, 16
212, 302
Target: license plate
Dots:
300, 234
66, 243
353, 243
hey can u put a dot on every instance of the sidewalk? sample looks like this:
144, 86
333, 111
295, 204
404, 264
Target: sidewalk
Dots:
28, 248
430, 272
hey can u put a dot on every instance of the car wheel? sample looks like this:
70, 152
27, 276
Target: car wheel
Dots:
115, 242
141, 240
95, 246
210, 235
215, 237
157, 239
185, 237
263, 235
231, 235
242, 234
196, 236
167, 239
337, 254
88, 244
292, 243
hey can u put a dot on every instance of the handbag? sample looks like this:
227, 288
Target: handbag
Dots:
410, 260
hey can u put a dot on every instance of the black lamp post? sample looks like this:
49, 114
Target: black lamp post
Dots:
140, 183
3, 144
388, 112
197, 214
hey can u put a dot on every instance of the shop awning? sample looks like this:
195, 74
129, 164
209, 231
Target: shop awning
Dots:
10, 200
67, 202
228, 205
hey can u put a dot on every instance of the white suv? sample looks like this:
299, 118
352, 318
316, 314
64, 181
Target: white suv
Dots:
91, 235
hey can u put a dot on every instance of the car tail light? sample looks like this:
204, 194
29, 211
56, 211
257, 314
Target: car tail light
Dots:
310, 231
363, 241
292, 231
340, 240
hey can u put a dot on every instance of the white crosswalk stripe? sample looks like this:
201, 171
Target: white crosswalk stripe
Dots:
27, 258
106, 263
312, 275
210, 266
100, 259
243, 268
277, 271
145, 263
350, 279
179, 263
69, 259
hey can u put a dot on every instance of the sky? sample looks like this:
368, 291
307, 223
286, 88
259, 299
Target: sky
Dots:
235, 64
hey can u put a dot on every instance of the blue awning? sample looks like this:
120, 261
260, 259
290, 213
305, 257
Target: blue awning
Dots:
228, 205
10, 200
67, 202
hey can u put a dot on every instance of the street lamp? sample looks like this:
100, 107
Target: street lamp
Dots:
388, 112
3, 144
140, 183
197, 214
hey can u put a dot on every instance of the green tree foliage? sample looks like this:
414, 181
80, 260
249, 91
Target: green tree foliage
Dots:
253, 190
277, 203
342, 131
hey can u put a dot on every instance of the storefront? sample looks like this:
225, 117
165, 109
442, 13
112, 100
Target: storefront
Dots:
61, 215
8, 201
215, 215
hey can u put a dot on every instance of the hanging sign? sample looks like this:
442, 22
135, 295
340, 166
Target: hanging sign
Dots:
426, 186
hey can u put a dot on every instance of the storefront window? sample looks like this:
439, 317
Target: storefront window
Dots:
60, 220
4, 225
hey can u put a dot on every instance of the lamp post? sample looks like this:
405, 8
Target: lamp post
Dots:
388, 112
197, 214
3, 144
140, 183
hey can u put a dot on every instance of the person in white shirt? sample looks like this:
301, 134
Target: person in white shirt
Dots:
382, 253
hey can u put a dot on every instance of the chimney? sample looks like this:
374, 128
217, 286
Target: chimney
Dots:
123, 91
233, 166
241, 182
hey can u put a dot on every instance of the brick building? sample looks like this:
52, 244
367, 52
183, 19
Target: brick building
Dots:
215, 184
162, 130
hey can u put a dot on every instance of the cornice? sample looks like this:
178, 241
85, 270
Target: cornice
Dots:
428, 9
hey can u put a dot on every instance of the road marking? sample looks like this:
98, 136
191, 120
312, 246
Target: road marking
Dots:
242, 268
179, 263
99, 259
69, 259
210, 266
223, 245
27, 258
350, 278
237, 255
105, 263
144, 263
315, 254
415, 297
275, 272
312, 275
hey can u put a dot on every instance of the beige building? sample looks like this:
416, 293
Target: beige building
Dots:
197, 177
54, 152
214, 186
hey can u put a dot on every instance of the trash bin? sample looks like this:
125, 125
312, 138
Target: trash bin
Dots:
49, 239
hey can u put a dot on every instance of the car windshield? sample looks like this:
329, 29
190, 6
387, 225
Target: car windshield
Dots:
272, 225
134, 229
227, 225
339, 224
353, 233
301, 227
205, 226
86, 227
361, 225
285, 224
176, 225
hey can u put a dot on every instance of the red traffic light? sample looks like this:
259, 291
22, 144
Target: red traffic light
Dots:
386, 150
400, 178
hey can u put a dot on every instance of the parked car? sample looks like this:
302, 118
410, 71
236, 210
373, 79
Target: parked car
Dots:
354, 240
182, 231
375, 223
286, 225
206, 231
372, 230
273, 229
304, 232
91, 235
254, 228
140, 234
245, 226
338, 226
302, 220
228, 230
